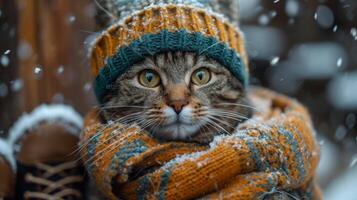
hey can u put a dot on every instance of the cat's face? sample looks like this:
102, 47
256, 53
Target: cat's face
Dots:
178, 96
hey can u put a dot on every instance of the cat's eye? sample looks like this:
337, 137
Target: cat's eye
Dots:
149, 78
201, 76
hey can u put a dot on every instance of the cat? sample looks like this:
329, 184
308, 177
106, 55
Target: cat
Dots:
178, 96
181, 96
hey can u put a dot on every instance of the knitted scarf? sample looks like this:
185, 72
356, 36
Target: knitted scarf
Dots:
273, 151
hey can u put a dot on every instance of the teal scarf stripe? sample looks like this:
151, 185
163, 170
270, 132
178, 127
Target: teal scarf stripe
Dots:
130, 150
164, 41
141, 191
164, 180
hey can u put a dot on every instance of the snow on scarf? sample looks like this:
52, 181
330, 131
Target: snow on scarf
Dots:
273, 151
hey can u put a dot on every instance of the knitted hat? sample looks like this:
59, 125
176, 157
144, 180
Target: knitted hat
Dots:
149, 27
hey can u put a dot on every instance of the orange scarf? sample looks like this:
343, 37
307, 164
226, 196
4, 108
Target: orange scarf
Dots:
275, 150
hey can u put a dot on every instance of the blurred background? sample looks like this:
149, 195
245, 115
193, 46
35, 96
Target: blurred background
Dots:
306, 49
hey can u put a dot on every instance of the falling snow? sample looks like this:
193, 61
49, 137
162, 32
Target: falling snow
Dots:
264, 19
60, 69
335, 28
4, 60
339, 62
321, 142
274, 61
3, 90
249, 9
87, 87
16, 85
24, 50
71, 19
340, 133
353, 162
354, 33
37, 71
324, 16
292, 8
259, 46
344, 87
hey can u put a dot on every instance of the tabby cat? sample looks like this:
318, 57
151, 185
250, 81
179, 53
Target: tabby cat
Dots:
178, 96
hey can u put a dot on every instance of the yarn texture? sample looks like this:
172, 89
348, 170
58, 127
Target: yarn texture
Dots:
160, 28
275, 150
152, 44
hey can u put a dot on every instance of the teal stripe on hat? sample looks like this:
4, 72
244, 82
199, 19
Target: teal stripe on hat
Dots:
164, 41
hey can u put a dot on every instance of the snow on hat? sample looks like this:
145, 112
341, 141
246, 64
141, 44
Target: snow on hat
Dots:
46, 113
148, 27
6, 151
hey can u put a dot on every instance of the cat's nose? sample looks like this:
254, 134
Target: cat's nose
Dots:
178, 105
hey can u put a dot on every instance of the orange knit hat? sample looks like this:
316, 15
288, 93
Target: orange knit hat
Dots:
156, 26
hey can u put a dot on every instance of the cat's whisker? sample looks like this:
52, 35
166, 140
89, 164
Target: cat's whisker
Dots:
217, 125
205, 129
221, 121
204, 50
113, 144
227, 114
142, 127
126, 118
97, 155
146, 124
118, 106
130, 120
237, 104
221, 112
119, 130
230, 117
111, 15
82, 146
227, 117
125, 126
208, 122
157, 124
234, 114
217, 121
98, 132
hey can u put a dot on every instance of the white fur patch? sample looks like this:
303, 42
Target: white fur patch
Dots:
177, 126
